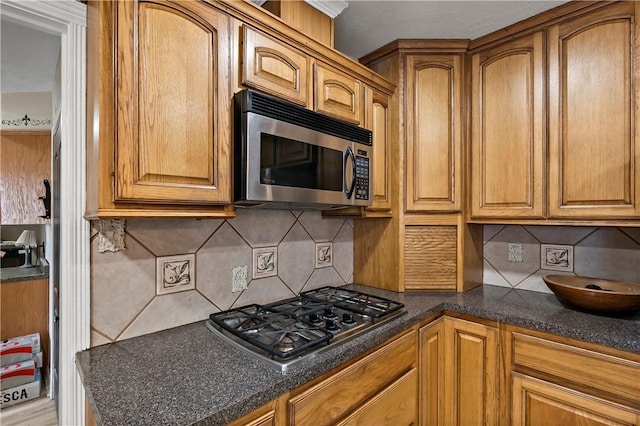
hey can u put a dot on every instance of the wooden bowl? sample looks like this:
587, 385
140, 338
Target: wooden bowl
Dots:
595, 294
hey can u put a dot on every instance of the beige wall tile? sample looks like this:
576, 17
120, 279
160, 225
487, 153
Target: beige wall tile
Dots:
343, 252
322, 277
122, 284
264, 290
214, 262
493, 277
320, 229
171, 237
496, 253
296, 259
262, 228
567, 235
170, 310
608, 253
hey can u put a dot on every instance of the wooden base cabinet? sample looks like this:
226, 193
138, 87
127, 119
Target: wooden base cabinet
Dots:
558, 381
381, 388
459, 367
538, 402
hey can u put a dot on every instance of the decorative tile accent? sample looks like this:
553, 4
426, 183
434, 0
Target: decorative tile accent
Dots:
324, 255
175, 273
556, 257
111, 235
265, 262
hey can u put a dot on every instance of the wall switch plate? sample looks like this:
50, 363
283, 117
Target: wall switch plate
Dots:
239, 278
515, 252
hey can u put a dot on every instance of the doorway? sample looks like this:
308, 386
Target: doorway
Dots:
67, 18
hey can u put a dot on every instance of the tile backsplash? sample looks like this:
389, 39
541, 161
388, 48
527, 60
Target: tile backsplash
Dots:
598, 252
174, 272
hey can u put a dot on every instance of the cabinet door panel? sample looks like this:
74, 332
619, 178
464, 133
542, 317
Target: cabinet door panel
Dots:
472, 375
172, 134
593, 147
432, 368
274, 67
377, 120
434, 132
536, 402
508, 130
395, 405
337, 94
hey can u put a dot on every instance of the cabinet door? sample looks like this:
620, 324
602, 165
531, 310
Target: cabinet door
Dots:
337, 94
172, 98
274, 67
508, 130
432, 368
471, 373
434, 132
25, 162
593, 147
377, 120
537, 402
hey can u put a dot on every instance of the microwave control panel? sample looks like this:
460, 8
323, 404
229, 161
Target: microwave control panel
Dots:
361, 190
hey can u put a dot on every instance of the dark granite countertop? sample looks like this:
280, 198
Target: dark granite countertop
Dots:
17, 273
187, 375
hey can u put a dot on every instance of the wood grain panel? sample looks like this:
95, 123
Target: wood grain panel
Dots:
172, 99
536, 402
333, 398
395, 405
507, 149
377, 120
275, 67
337, 94
432, 371
24, 309
430, 254
471, 375
613, 375
593, 147
25, 162
304, 18
434, 132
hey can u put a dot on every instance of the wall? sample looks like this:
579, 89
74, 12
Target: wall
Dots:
35, 106
133, 294
598, 252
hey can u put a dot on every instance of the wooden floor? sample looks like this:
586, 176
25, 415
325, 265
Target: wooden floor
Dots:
37, 412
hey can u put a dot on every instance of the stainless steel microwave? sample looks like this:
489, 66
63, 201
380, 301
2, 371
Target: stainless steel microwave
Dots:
286, 156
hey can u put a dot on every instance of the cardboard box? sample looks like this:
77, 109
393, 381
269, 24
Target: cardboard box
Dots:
16, 350
21, 393
17, 374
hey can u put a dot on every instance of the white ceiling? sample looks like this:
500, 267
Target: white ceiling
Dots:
366, 25
28, 58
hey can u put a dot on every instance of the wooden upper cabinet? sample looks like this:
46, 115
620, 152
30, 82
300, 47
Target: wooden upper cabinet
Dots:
377, 120
337, 94
274, 67
594, 161
25, 162
172, 104
434, 132
508, 130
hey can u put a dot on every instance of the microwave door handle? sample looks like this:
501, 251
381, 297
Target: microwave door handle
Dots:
348, 188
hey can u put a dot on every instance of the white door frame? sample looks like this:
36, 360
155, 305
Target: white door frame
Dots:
67, 18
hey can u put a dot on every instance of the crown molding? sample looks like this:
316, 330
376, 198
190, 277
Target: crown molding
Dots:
331, 8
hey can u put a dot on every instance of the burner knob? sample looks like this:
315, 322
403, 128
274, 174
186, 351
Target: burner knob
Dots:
331, 325
328, 313
314, 318
347, 318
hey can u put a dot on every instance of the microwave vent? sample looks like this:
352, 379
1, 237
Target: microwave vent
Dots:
280, 110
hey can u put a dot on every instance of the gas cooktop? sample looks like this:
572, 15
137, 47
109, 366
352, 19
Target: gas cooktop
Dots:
291, 330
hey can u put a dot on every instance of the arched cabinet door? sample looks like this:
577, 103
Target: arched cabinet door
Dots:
274, 67
434, 132
593, 142
338, 94
508, 130
172, 104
